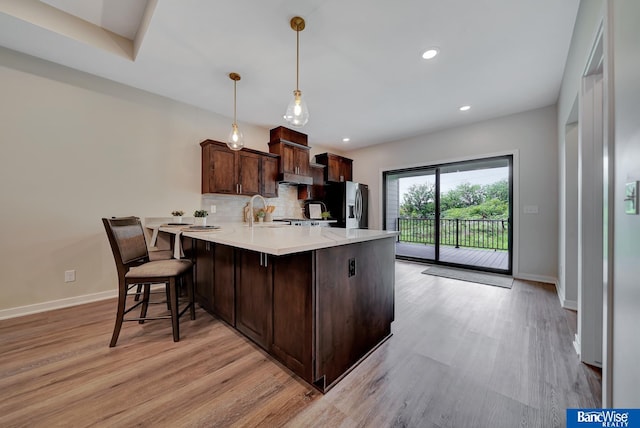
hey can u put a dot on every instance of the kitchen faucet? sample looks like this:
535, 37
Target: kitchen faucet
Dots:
264, 201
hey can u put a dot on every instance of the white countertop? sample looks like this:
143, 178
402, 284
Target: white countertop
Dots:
278, 239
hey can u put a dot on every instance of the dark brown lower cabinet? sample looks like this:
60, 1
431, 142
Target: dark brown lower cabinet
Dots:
254, 296
214, 275
292, 338
318, 312
224, 289
203, 252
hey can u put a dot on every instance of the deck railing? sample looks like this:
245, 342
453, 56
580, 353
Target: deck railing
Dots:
491, 234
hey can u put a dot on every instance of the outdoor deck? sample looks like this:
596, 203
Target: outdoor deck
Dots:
466, 256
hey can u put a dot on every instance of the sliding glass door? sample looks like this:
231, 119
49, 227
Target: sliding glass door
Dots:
410, 200
456, 214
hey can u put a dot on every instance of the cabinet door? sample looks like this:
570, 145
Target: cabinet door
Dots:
333, 169
254, 296
302, 161
224, 289
203, 252
248, 173
292, 313
222, 171
288, 159
346, 169
269, 177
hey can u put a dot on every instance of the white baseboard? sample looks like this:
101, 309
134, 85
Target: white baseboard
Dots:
566, 304
56, 304
538, 278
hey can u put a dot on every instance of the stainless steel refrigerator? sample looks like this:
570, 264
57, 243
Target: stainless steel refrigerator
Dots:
348, 202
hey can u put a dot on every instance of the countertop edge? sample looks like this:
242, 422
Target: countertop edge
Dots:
241, 236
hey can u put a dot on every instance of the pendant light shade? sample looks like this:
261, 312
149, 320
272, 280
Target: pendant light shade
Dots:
236, 139
297, 112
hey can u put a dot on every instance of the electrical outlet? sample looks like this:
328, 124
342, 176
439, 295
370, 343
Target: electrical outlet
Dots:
69, 275
352, 267
213, 209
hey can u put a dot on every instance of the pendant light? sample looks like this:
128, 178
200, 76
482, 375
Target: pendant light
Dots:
297, 112
236, 139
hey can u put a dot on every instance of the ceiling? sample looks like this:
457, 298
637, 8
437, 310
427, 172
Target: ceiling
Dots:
361, 70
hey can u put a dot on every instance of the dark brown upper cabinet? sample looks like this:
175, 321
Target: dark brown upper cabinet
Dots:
244, 172
337, 168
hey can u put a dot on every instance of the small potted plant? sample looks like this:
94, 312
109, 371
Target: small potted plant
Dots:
177, 216
201, 217
261, 215
325, 215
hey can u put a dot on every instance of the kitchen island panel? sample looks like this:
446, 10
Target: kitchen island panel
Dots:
354, 305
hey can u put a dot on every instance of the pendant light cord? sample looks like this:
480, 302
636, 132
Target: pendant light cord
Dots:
297, 60
235, 82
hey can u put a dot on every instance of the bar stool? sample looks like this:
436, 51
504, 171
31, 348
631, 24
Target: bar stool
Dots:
129, 247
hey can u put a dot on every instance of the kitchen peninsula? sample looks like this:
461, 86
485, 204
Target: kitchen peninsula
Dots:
317, 299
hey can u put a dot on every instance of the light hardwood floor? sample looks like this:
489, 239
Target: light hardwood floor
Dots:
462, 355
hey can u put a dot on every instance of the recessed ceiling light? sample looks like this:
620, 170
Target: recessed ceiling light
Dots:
465, 108
431, 53
346, 139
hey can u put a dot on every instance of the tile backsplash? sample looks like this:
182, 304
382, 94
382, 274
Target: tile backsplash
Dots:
229, 208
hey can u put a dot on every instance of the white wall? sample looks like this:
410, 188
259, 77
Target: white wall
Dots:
75, 148
626, 266
531, 134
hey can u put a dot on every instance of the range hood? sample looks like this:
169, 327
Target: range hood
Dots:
289, 178
293, 150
